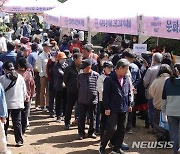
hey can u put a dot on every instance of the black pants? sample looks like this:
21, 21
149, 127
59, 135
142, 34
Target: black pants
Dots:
102, 120
24, 116
131, 120
64, 102
117, 126
51, 98
83, 109
71, 100
58, 103
16, 120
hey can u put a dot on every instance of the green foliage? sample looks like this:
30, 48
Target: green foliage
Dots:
172, 44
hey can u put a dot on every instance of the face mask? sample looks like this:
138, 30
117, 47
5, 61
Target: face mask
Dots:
62, 61
53, 59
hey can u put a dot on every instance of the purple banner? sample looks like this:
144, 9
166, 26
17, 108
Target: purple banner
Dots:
122, 26
76, 23
161, 27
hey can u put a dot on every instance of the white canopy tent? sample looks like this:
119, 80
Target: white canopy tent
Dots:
29, 6
117, 16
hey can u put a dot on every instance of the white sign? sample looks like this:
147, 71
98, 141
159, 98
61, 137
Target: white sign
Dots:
140, 48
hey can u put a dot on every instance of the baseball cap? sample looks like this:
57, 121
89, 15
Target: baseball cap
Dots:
87, 47
108, 64
47, 44
85, 63
61, 55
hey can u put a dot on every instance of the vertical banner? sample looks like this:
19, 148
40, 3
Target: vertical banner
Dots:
161, 27
121, 26
76, 23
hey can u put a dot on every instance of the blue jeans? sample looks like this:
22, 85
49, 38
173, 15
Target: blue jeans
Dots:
151, 112
174, 122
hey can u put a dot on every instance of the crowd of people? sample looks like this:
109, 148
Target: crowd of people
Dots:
107, 89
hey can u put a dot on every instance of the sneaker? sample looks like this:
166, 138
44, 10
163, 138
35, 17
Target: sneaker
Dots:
51, 116
27, 128
81, 137
118, 152
58, 120
92, 136
38, 109
97, 132
178, 150
129, 131
19, 144
110, 145
67, 127
101, 150
74, 123
44, 109
124, 146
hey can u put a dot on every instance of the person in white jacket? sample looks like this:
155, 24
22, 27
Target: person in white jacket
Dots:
108, 67
3, 116
15, 93
156, 90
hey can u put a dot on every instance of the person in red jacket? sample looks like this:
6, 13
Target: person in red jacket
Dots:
50, 76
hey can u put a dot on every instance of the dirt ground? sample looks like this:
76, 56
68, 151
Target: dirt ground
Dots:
48, 137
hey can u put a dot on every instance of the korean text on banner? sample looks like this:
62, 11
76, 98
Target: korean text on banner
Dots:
121, 26
161, 27
76, 23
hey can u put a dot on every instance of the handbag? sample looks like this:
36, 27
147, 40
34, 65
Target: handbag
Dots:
163, 122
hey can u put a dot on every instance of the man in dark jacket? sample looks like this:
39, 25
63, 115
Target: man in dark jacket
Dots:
87, 52
70, 80
87, 98
117, 103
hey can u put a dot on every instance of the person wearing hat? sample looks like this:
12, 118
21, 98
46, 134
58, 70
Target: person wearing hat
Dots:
50, 74
28, 76
87, 52
107, 69
69, 59
15, 89
70, 80
59, 85
117, 103
87, 98
42, 61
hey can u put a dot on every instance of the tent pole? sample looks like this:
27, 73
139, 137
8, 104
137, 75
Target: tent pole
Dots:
139, 29
124, 36
89, 31
157, 43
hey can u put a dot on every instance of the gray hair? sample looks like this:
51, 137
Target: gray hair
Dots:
122, 63
157, 57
